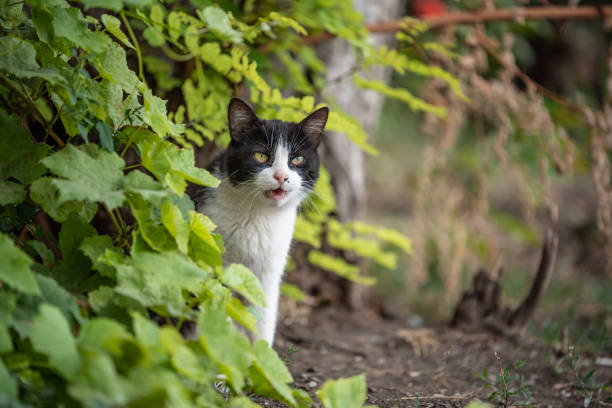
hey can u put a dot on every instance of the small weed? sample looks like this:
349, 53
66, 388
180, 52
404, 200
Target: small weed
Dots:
590, 390
504, 389
288, 353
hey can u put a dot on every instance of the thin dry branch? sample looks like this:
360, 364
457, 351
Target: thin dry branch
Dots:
523, 313
483, 16
490, 48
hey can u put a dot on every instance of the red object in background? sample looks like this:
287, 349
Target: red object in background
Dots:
428, 8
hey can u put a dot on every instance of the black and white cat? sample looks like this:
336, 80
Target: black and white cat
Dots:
269, 167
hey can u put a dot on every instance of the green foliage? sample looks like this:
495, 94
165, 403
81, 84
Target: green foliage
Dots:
591, 390
91, 244
315, 224
343, 393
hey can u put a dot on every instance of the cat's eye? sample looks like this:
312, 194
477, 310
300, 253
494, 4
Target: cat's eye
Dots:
297, 160
260, 157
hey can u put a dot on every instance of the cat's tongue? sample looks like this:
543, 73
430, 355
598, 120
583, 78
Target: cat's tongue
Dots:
277, 194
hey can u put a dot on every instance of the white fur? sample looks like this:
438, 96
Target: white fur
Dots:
257, 230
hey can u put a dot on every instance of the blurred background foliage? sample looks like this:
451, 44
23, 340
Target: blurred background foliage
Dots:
530, 149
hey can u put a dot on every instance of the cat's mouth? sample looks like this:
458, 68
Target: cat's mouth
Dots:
276, 195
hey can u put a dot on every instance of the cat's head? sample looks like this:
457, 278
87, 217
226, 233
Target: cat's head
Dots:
275, 162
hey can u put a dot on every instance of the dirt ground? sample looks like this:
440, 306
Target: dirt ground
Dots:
420, 366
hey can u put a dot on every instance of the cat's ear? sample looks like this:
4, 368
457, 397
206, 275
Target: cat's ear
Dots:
313, 125
241, 118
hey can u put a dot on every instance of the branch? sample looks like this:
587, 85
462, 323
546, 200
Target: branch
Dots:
483, 16
523, 313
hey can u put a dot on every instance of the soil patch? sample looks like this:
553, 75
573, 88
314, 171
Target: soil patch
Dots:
423, 366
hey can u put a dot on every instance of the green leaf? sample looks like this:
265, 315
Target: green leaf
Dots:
113, 67
270, 375
242, 402
74, 269
95, 247
158, 279
293, 292
339, 267
8, 384
113, 25
12, 193
229, 349
15, 267
343, 393
415, 103
115, 5
19, 59
45, 193
155, 116
51, 336
240, 314
150, 226
182, 162
242, 280
55, 295
218, 22
23, 161
70, 24
103, 334
88, 173
204, 247
138, 182
173, 220
6, 344
99, 383
183, 359
106, 136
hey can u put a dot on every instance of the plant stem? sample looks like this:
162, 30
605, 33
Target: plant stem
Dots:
136, 46
115, 221
133, 166
121, 223
125, 149
39, 117
502, 376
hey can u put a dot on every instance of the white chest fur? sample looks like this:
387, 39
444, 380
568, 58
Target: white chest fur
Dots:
258, 237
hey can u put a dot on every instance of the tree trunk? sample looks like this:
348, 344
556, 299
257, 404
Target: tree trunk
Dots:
346, 161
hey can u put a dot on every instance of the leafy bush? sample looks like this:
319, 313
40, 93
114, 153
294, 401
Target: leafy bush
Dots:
97, 230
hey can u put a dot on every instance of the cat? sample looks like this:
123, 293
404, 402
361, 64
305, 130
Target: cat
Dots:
268, 169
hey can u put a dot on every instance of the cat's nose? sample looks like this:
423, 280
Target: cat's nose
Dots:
281, 177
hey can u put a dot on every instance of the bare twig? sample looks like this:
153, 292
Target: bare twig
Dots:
37, 114
523, 313
487, 44
502, 376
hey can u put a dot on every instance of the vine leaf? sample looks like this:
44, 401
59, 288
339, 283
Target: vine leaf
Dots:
242, 280
70, 24
229, 349
23, 161
15, 267
88, 173
344, 393
51, 336
113, 25
269, 374
19, 59
8, 384
218, 22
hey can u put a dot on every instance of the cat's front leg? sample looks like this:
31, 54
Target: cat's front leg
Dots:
268, 315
